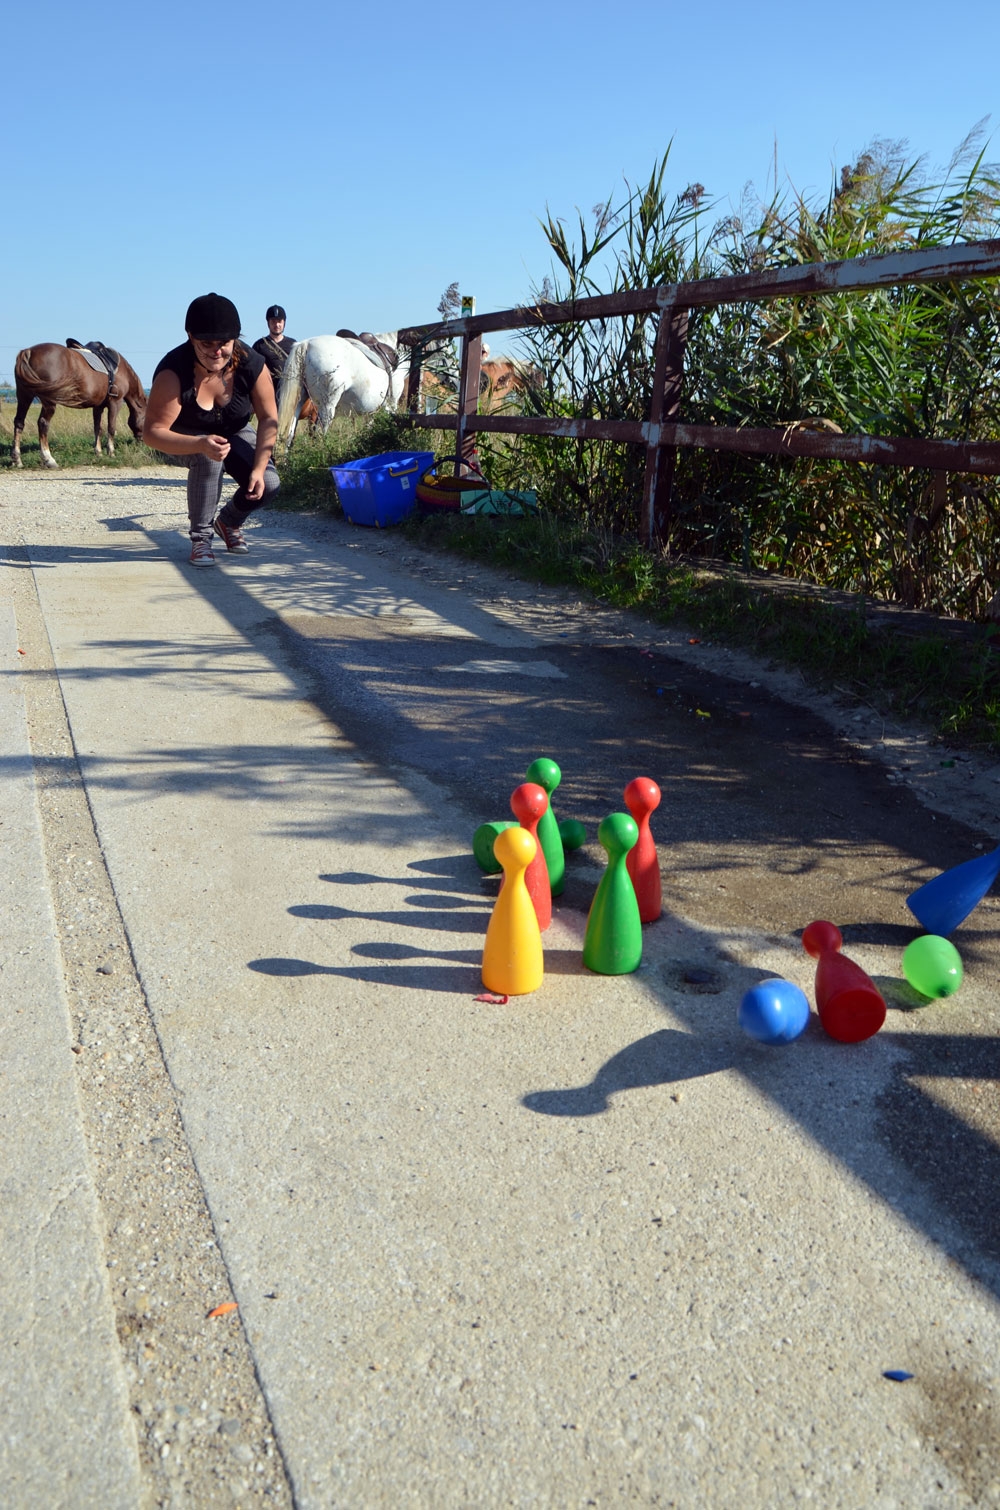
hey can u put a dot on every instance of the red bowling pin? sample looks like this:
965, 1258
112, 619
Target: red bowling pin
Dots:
641, 797
849, 1005
528, 802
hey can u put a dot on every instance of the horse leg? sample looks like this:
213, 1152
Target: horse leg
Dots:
327, 401
114, 405
98, 415
23, 405
48, 409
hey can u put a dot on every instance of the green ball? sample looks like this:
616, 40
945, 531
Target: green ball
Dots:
572, 833
933, 966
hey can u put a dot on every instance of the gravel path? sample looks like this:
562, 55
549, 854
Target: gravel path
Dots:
204, 1432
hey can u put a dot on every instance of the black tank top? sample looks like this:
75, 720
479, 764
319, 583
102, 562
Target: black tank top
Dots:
227, 421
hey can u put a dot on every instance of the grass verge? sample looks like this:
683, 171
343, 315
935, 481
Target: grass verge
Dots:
71, 440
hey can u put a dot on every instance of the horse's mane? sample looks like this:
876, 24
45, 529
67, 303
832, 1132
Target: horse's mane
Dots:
136, 390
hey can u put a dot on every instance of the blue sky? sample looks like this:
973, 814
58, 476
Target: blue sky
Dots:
349, 162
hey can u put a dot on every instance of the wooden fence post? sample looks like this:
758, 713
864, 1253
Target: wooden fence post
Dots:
668, 372
468, 397
413, 381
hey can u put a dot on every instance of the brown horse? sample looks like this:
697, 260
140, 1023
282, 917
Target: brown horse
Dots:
62, 375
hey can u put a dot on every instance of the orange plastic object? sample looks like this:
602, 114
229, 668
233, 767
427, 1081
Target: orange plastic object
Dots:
512, 957
847, 1000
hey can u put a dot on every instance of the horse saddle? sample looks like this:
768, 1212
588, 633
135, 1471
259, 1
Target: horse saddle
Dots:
376, 351
99, 356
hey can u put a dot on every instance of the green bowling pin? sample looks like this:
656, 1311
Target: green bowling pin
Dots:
612, 944
546, 774
483, 841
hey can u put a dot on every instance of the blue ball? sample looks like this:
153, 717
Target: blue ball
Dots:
774, 1011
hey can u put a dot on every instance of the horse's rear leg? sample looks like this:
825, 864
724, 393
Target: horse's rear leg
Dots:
327, 404
48, 409
23, 405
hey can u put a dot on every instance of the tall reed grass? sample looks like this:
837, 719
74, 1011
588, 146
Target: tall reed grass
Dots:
909, 361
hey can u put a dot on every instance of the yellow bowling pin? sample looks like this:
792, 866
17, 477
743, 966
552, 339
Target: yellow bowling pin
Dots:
512, 958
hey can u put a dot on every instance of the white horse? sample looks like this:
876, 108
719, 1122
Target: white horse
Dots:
340, 377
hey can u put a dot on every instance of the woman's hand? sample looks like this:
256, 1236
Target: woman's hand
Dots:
255, 487
215, 447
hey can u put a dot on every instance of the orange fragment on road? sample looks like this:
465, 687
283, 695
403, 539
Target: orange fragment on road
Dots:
223, 1310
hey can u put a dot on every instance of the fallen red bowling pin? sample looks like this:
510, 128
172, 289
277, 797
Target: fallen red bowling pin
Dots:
528, 803
642, 796
849, 1005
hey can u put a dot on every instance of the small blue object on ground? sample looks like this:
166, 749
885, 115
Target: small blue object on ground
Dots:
897, 1375
774, 1011
380, 490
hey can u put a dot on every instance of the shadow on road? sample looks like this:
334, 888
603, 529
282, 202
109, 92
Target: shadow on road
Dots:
768, 820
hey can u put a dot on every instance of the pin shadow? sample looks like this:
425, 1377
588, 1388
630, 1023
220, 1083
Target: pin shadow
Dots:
894, 935
388, 951
445, 865
432, 880
458, 980
450, 919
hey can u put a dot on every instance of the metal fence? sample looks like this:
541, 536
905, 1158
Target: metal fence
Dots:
662, 431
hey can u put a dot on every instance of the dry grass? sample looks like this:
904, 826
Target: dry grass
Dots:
71, 439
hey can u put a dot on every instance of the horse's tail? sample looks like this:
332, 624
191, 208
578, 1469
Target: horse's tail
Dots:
24, 371
291, 388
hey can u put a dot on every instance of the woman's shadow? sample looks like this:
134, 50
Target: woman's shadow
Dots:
658, 1059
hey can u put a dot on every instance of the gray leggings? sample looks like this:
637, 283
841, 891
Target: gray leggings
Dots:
204, 487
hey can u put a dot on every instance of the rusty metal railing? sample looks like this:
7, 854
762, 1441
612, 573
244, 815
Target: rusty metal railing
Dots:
662, 432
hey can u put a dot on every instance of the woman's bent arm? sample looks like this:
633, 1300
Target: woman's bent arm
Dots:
262, 398
162, 408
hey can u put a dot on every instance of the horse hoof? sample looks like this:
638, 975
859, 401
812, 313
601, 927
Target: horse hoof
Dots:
50, 463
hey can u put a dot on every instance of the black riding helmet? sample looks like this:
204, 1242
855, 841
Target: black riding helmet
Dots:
275, 313
212, 317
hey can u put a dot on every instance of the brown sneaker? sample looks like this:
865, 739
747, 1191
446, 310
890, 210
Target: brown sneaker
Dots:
234, 538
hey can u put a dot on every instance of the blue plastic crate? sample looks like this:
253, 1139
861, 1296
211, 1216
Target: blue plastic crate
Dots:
381, 490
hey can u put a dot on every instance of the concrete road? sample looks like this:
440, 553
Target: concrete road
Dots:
593, 1246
